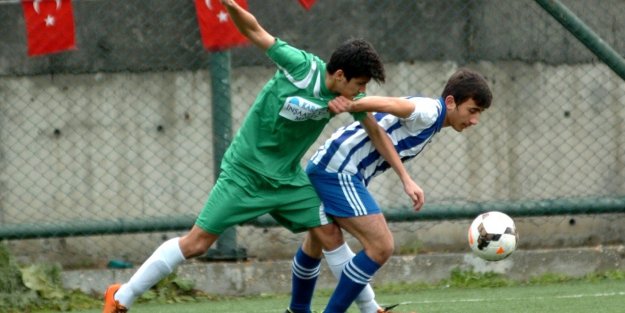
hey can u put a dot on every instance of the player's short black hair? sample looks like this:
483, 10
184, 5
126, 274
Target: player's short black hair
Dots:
467, 84
357, 58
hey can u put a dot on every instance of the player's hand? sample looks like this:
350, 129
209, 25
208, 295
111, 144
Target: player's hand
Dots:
340, 104
416, 194
227, 3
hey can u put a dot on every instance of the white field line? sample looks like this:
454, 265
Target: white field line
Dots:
573, 296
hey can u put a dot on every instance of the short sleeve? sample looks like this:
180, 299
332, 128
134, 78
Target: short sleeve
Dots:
292, 61
425, 113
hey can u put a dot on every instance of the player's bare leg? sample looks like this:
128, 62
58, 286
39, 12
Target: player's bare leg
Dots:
161, 263
337, 254
377, 240
373, 233
196, 242
305, 267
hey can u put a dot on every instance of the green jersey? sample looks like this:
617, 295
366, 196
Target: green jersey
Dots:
286, 118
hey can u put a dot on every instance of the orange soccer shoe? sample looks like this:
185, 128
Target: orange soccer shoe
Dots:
110, 304
388, 309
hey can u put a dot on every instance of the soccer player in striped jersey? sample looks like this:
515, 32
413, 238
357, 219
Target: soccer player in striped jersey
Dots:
343, 166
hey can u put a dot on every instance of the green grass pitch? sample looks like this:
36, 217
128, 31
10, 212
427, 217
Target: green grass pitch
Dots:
575, 296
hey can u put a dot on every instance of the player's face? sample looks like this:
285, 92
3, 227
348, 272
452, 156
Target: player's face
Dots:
464, 115
353, 87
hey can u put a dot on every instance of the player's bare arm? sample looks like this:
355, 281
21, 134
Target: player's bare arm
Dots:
385, 147
248, 25
397, 106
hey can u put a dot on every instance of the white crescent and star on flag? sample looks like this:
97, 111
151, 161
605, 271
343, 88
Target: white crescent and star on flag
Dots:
222, 16
49, 20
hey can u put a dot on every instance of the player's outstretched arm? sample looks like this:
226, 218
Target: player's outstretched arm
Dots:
248, 25
385, 147
397, 106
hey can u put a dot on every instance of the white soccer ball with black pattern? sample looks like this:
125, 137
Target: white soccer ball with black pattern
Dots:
493, 236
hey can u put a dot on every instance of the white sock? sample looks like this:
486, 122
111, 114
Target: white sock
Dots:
337, 259
161, 263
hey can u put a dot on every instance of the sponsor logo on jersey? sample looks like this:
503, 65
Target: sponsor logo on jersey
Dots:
299, 109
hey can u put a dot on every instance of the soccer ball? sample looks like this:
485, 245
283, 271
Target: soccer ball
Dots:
493, 236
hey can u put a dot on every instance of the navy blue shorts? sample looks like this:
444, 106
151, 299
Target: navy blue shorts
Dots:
342, 195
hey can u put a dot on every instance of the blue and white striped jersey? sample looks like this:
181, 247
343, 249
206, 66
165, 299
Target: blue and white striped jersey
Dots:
350, 151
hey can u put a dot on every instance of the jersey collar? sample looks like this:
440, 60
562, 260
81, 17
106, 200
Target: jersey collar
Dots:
442, 112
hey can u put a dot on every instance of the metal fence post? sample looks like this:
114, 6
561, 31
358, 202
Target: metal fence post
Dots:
585, 35
219, 68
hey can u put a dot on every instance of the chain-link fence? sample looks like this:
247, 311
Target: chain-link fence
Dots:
125, 131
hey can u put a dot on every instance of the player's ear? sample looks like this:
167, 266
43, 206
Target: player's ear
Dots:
450, 102
339, 75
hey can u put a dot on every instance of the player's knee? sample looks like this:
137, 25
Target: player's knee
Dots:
192, 246
194, 249
382, 250
329, 230
383, 253
311, 246
328, 236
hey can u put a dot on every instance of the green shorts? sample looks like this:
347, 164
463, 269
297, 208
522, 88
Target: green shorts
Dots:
241, 195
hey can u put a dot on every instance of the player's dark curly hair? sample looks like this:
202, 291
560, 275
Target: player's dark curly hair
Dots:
357, 58
467, 84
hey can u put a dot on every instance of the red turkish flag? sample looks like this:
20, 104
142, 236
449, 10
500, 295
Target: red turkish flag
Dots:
217, 30
49, 26
307, 4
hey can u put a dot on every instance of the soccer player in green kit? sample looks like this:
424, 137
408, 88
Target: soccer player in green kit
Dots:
261, 171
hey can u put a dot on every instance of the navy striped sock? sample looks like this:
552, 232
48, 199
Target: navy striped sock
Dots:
356, 275
305, 271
